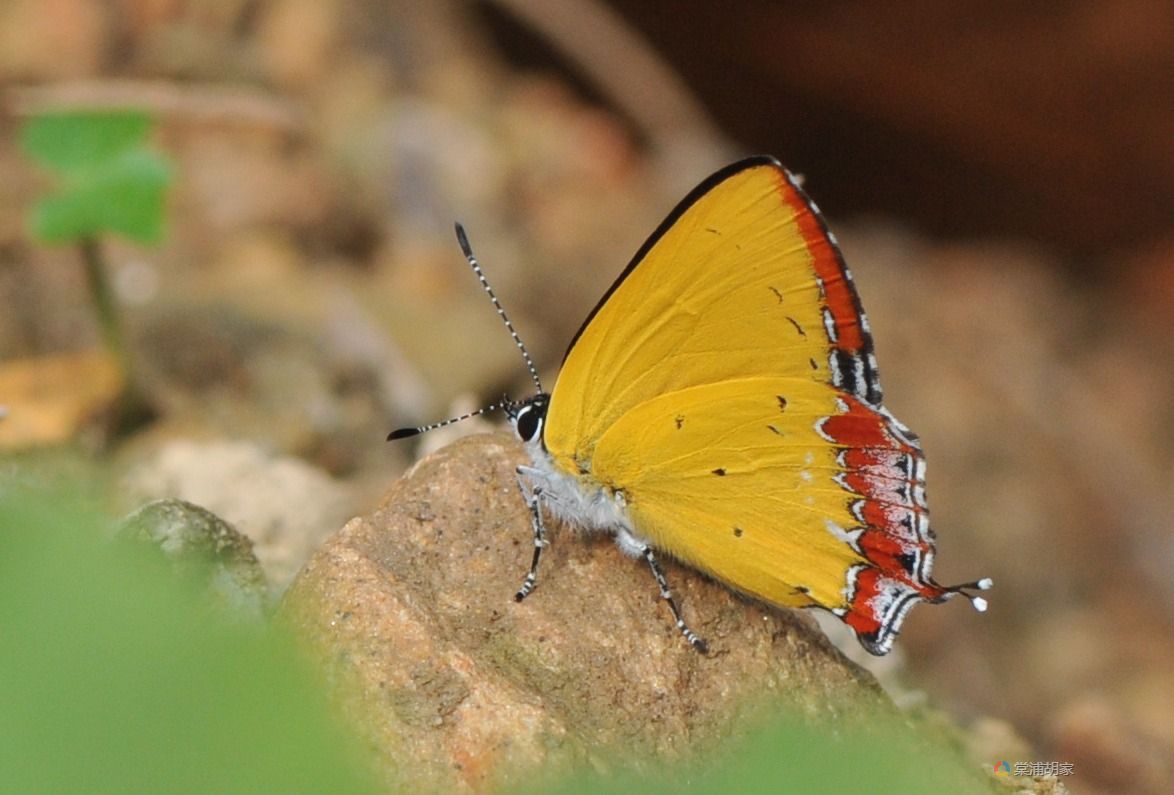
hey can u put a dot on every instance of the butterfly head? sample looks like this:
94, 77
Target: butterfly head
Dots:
528, 416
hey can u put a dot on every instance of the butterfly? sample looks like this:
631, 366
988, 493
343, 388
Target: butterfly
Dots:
721, 406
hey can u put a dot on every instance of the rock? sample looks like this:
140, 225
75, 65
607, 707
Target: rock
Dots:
283, 504
204, 548
410, 611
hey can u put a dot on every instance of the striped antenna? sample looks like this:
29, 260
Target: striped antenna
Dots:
404, 433
463, 240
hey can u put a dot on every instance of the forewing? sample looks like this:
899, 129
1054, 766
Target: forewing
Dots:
742, 280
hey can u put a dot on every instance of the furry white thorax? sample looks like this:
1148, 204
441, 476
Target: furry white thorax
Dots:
579, 502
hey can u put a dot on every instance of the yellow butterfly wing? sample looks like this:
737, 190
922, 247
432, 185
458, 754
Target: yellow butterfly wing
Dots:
726, 387
732, 285
734, 479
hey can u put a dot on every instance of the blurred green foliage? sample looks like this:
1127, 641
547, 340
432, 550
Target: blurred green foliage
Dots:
116, 677
110, 178
791, 756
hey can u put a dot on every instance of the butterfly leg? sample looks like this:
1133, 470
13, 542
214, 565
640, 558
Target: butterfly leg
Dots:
532, 493
667, 595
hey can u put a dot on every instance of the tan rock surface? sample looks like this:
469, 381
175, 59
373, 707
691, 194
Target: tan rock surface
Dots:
411, 611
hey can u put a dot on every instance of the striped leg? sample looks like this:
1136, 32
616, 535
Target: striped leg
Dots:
694, 641
532, 493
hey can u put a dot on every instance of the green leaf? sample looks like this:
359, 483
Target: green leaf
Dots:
125, 195
117, 677
111, 181
73, 140
794, 756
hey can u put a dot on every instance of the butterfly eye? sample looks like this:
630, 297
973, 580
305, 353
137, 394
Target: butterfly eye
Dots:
528, 423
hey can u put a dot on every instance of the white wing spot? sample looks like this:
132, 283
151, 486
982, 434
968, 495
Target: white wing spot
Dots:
849, 537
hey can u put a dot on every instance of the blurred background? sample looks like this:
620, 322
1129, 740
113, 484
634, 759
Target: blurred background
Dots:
1001, 178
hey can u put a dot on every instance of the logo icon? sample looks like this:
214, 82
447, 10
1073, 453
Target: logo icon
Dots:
1002, 768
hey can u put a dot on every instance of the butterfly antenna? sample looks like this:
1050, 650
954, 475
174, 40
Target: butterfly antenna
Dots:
404, 433
985, 584
463, 240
